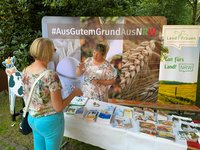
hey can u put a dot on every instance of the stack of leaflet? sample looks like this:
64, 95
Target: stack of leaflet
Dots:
161, 115
79, 100
147, 127
71, 110
93, 107
105, 114
139, 114
149, 115
100, 112
128, 113
189, 131
165, 129
80, 112
122, 118
77, 107
91, 115
121, 122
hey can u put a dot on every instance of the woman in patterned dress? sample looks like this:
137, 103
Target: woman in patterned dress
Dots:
98, 75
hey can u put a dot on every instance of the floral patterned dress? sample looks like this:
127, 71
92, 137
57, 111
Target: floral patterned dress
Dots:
40, 101
102, 72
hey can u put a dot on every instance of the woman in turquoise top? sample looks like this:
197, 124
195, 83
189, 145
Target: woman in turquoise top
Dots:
45, 111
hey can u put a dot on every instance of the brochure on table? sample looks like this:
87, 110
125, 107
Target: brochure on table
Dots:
139, 120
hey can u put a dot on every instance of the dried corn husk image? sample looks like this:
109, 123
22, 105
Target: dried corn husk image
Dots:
141, 61
139, 80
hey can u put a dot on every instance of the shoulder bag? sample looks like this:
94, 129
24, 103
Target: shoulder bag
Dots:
24, 127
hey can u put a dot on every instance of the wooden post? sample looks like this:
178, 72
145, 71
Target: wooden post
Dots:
175, 92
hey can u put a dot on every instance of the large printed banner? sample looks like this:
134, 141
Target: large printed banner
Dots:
133, 45
179, 64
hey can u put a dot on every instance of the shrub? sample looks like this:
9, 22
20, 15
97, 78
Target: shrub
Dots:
16, 31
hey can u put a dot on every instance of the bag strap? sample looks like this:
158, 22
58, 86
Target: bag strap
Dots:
31, 92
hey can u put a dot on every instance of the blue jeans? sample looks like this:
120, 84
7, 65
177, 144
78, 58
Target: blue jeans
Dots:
47, 131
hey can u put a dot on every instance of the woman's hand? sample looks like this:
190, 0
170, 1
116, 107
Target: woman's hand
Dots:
58, 103
77, 92
80, 69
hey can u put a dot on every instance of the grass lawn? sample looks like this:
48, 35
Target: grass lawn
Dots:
12, 139
9, 130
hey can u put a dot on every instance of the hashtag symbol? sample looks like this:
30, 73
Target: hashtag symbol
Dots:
53, 31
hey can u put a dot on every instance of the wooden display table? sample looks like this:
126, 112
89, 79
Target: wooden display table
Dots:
174, 107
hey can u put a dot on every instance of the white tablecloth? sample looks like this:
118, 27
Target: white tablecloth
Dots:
107, 137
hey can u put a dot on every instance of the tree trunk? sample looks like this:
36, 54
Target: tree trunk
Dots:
194, 15
193, 3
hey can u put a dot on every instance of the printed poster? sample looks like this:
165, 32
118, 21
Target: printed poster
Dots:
133, 48
179, 64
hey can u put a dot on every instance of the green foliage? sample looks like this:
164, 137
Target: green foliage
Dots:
94, 8
164, 53
15, 31
9, 130
20, 24
176, 11
20, 21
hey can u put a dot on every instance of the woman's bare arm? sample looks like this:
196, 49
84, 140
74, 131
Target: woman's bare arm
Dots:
58, 103
104, 82
80, 69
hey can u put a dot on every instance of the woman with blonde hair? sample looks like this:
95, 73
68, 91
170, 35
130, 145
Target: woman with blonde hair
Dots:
45, 111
